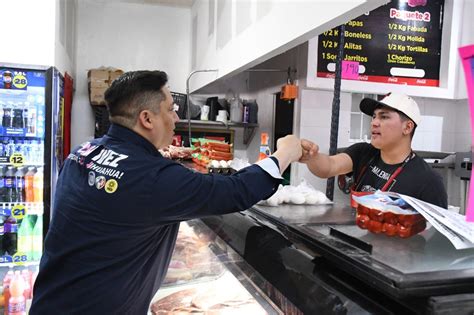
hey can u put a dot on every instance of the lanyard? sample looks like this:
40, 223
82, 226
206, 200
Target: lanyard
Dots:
391, 179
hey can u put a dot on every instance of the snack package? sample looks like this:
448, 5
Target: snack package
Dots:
391, 216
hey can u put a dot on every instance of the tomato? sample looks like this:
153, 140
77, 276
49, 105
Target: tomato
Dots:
375, 226
362, 209
362, 221
390, 229
405, 232
408, 220
390, 217
376, 215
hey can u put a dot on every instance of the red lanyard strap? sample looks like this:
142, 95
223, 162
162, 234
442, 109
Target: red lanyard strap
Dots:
391, 179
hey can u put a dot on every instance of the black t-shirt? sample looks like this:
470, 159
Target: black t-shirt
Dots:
417, 179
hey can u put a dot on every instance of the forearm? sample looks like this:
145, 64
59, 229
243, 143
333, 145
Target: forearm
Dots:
284, 160
321, 166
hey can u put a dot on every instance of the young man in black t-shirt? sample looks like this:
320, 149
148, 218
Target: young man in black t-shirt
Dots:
388, 162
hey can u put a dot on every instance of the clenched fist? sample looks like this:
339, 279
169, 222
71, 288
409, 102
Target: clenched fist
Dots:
291, 145
310, 150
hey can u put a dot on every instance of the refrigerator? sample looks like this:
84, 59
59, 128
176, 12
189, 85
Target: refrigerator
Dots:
31, 102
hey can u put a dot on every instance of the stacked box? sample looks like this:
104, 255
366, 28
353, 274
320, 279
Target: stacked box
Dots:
99, 81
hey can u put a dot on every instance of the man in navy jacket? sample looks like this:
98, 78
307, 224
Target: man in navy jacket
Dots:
118, 205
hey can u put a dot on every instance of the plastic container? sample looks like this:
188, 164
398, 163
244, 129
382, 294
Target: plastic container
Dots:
389, 223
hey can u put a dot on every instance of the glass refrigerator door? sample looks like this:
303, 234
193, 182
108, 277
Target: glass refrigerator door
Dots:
22, 135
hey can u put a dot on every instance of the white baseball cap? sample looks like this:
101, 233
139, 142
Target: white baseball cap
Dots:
401, 102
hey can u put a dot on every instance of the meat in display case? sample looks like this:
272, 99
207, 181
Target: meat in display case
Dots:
206, 276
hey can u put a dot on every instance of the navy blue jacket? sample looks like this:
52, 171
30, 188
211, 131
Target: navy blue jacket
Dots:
116, 215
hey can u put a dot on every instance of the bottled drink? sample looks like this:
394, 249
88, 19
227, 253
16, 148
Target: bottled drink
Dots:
32, 121
25, 237
17, 116
38, 185
2, 234
26, 274
20, 185
264, 148
25, 116
10, 238
37, 247
10, 148
2, 105
10, 191
17, 301
7, 116
6, 288
29, 190
3, 193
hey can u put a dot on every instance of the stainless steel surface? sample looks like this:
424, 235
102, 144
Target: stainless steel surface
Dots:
428, 251
305, 214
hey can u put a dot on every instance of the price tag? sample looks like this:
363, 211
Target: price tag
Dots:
17, 159
19, 258
19, 212
20, 82
350, 70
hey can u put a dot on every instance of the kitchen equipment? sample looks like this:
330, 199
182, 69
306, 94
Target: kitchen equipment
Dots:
214, 107
236, 110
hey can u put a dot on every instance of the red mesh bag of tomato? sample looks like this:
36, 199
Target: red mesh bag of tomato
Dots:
383, 214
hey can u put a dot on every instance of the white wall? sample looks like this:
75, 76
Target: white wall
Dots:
28, 34
130, 36
65, 36
235, 35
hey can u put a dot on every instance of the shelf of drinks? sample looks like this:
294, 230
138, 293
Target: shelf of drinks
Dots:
30, 208
7, 262
20, 132
22, 165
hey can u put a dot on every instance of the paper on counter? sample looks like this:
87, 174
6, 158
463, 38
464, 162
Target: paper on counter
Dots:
452, 225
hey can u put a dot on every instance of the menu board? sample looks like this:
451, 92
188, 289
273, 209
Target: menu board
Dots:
397, 43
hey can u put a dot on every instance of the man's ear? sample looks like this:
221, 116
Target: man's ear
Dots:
408, 127
144, 119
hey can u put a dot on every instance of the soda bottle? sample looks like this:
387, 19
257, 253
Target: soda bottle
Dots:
2, 234
29, 191
38, 185
10, 191
6, 288
10, 148
17, 116
20, 184
2, 105
25, 116
7, 115
3, 193
37, 246
264, 148
10, 238
17, 302
32, 121
26, 274
25, 237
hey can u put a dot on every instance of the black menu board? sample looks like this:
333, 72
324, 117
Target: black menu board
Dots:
398, 43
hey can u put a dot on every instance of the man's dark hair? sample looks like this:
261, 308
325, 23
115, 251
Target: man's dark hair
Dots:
134, 92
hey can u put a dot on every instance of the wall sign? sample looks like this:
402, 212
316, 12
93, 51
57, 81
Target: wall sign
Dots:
398, 43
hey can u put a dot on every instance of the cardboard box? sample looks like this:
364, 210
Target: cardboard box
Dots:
96, 96
98, 77
114, 74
